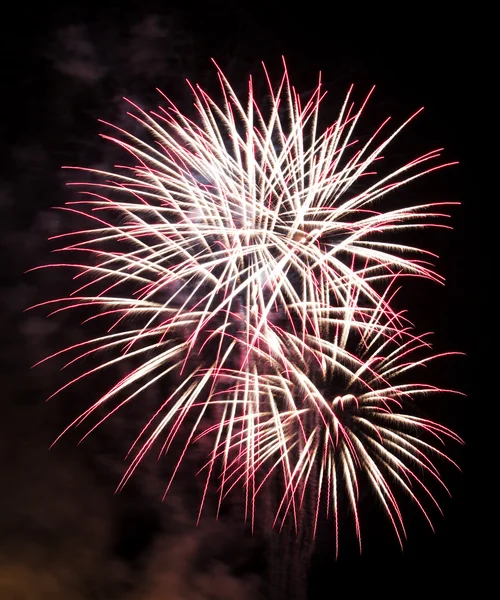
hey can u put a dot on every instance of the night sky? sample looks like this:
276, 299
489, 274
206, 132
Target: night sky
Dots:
64, 534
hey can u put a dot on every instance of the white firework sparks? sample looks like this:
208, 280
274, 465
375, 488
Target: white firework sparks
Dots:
249, 253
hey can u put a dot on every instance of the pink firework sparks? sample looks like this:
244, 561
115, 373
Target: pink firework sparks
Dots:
247, 256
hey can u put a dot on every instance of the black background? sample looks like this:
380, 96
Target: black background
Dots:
416, 57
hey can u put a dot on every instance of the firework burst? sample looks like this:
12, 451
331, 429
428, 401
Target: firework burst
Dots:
319, 431
246, 255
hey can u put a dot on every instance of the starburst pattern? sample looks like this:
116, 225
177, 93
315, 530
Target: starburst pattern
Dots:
246, 255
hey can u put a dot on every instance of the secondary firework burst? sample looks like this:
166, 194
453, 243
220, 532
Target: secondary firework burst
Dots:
320, 432
246, 255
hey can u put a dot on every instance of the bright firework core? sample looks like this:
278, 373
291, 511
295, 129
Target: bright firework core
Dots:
247, 261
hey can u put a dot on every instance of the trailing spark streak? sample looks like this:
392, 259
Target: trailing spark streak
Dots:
244, 257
